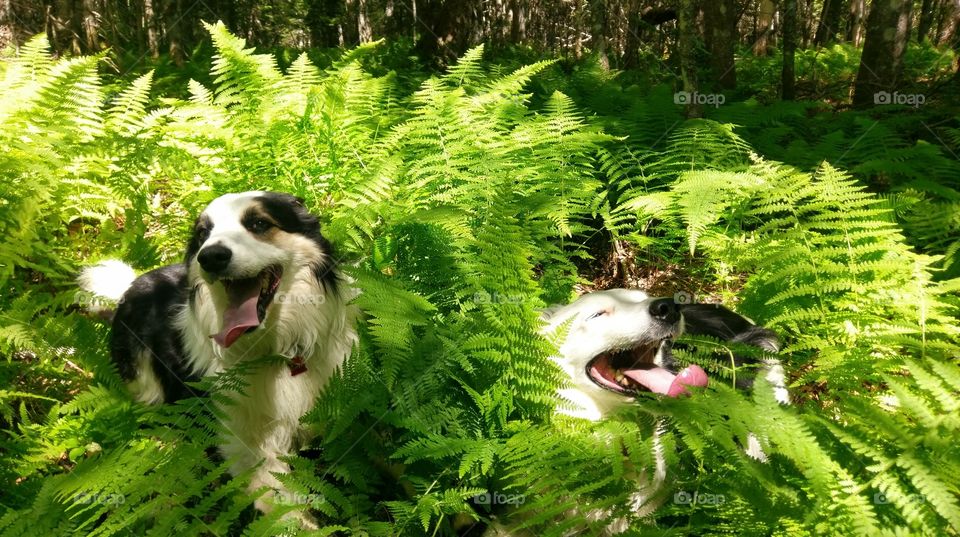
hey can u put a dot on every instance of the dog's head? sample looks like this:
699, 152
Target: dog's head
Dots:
618, 344
248, 246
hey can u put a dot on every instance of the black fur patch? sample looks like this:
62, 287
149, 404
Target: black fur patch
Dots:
719, 322
143, 323
201, 230
292, 216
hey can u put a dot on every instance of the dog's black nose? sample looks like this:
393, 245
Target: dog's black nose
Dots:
214, 258
665, 309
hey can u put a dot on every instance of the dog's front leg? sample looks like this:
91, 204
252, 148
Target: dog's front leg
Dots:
262, 451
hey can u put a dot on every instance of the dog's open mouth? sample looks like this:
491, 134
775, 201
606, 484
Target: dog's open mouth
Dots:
633, 370
247, 303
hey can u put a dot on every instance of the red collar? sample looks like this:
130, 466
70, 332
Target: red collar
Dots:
297, 365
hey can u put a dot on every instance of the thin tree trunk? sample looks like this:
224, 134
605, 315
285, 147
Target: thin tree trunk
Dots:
631, 46
829, 23
91, 26
598, 34
8, 25
787, 75
927, 8
518, 27
882, 58
858, 9
951, 20
175, 33
322, 18
150, 21
688, 62
364, 31
720, 30
950, 33
765, 13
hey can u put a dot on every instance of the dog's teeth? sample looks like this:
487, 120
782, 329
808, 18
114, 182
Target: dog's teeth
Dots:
619, 377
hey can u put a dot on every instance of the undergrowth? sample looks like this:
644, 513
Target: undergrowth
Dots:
459, 209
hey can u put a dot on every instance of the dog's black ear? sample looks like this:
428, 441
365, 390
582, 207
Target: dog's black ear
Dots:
719, 322
290, 212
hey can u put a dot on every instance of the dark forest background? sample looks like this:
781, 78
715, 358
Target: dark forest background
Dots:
622, 34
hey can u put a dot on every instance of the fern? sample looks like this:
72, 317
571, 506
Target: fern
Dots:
458, 209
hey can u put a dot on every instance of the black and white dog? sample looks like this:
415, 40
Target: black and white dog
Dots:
618, 342
615, 344
258, 280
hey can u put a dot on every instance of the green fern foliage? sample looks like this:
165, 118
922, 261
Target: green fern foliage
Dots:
458, 209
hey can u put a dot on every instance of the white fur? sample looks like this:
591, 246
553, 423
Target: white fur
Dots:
583, 335
104, 284
109, 279
264, 424
146, 387
623, 323
304, 320
777, 379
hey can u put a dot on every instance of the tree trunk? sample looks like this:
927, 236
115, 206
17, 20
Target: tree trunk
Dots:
765, 12
518, 24
175, 33
631, 46
829, 23
445, 35
804, 16
720, 31
364, 30
150, 20
688, 42
598, 34
949, 34
927, 8
8, 25
883, 48
322, 18
855, 23
950, 13
787, 75
349, 25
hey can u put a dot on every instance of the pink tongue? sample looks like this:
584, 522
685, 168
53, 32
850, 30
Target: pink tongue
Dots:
659, 380
241, 313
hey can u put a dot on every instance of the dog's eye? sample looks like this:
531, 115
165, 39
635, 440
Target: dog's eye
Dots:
203, 233
259, 225
598, 314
